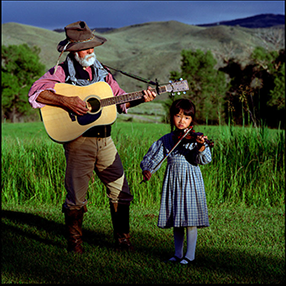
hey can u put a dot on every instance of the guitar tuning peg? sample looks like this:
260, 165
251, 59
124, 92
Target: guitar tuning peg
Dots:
178, 93
181, 79
170, 81
184, 92
173, 94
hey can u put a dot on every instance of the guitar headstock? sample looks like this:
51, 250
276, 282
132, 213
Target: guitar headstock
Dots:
177, 86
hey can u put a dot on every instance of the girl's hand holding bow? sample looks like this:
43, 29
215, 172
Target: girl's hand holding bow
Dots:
146, 175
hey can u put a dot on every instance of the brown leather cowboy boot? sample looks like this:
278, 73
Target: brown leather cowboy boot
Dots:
120, 221
73, 221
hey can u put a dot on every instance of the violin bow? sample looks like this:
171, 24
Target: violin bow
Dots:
154, 170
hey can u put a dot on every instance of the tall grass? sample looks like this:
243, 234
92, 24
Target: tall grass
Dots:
32, 171
248, 165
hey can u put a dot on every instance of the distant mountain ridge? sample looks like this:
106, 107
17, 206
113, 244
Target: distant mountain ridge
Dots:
258, 21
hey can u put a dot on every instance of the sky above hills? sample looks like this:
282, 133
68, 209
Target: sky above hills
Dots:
116, 14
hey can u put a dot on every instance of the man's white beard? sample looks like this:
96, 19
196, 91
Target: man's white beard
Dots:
87, 61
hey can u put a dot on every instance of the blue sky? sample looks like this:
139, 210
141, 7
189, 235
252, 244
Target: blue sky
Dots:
116, 14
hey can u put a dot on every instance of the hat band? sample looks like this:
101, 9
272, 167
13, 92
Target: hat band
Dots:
74, 41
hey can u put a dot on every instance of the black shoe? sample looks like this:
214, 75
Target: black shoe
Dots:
174, 259
189, 262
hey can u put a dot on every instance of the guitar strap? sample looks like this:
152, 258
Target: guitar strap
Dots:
135, 77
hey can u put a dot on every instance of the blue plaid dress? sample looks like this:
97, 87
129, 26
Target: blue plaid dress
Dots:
183, 200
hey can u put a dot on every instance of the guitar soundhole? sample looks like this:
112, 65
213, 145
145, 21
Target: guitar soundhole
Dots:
93, 104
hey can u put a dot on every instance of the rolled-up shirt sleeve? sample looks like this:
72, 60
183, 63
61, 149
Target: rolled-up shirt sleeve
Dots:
46, 82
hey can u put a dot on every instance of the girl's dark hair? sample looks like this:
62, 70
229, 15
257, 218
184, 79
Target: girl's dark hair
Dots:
186, 105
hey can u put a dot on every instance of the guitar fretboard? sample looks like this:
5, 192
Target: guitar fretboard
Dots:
127, 97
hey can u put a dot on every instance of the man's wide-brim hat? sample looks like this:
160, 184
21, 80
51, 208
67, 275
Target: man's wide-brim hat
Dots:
79, 37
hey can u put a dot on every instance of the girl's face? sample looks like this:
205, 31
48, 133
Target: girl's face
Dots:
182, 121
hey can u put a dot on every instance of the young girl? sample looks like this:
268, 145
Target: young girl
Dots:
183, 201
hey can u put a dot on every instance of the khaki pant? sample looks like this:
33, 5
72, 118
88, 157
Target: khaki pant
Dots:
85, 155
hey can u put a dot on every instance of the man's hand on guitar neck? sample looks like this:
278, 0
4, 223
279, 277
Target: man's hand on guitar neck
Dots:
73, 103
148, 96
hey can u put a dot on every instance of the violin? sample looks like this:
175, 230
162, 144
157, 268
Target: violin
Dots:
191, 136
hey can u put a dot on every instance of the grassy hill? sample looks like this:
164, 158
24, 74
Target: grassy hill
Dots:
149, 50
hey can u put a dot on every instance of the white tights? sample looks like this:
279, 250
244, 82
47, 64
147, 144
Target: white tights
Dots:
191, 241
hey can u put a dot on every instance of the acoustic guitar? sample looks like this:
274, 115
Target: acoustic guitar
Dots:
64, 126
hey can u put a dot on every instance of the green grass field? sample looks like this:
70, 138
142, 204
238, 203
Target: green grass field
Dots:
245, 185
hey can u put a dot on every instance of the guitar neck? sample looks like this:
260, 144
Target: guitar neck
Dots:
128, 97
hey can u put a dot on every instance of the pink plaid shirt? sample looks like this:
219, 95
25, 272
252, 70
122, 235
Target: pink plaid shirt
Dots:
48, 81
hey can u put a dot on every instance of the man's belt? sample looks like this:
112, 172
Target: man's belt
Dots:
98, 131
